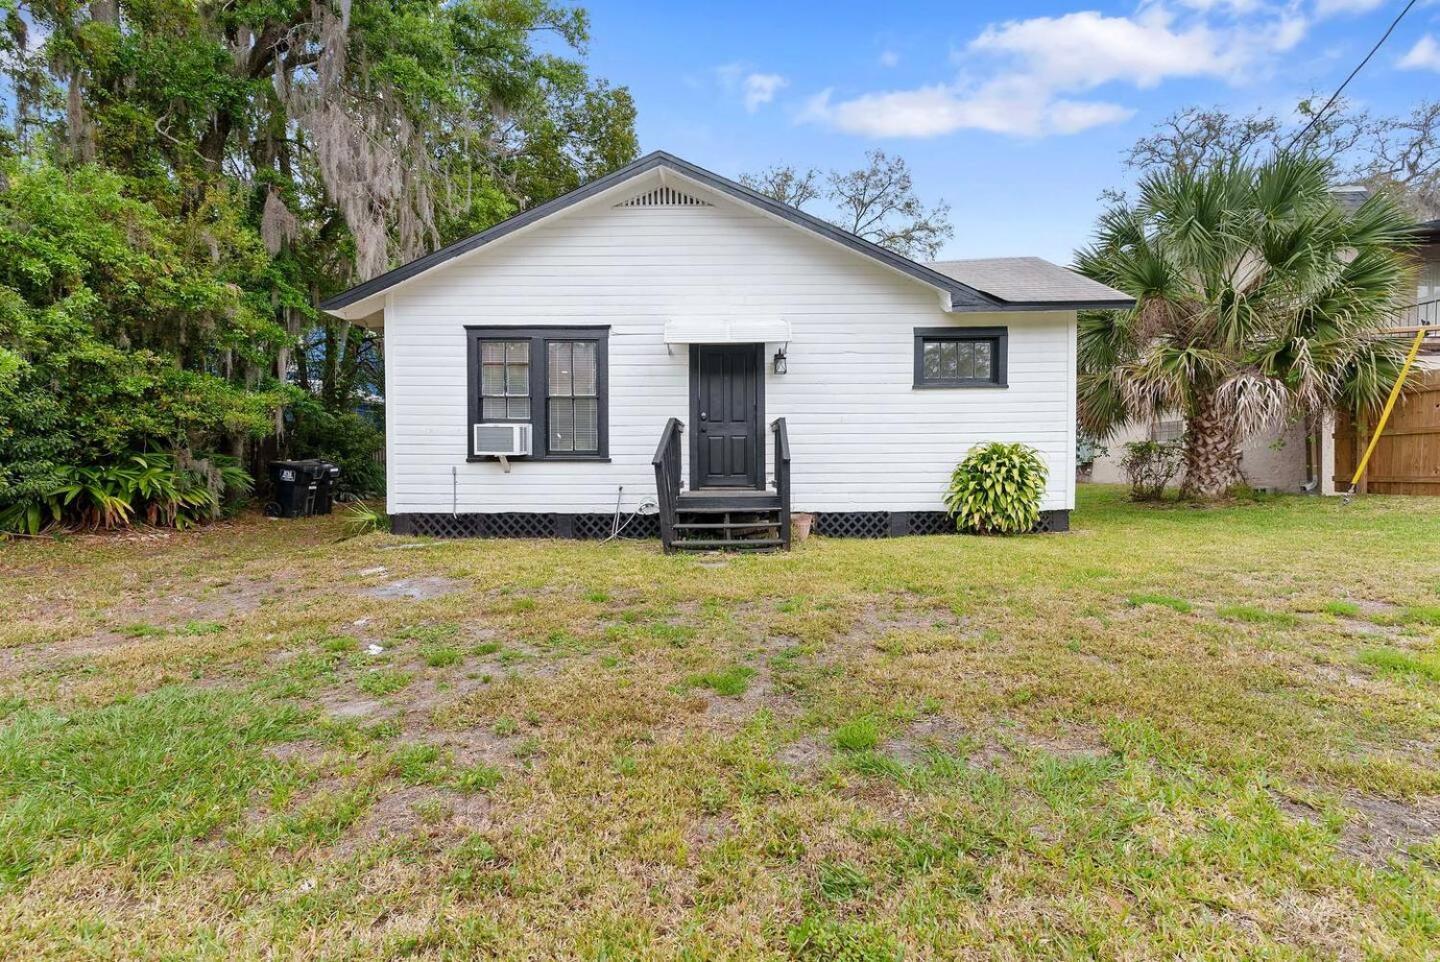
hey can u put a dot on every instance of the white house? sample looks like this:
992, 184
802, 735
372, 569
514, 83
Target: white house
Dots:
663, 334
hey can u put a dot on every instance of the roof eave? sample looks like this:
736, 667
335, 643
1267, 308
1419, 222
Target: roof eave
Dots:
1015, 306
360, 299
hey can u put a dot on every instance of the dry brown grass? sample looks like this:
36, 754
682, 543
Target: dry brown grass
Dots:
1170, 733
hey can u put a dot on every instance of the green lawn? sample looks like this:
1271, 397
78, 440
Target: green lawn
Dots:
1170, 733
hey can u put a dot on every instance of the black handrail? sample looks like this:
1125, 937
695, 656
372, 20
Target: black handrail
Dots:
782, 477
667, 479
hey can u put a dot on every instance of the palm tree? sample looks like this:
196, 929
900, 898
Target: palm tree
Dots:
1257, 299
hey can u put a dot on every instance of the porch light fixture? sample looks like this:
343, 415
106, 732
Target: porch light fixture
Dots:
779, 361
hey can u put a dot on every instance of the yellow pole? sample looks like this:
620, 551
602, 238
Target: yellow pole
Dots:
1385, 414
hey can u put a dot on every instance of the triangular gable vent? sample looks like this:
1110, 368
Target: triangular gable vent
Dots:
664, 197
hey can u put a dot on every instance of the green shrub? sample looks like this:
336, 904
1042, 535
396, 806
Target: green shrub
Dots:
344, 438
997, 489
1149, 466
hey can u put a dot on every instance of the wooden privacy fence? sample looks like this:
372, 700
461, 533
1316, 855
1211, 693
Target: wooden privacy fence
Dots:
1407, 459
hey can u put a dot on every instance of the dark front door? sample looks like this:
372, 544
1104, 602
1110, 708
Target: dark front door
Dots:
726, 396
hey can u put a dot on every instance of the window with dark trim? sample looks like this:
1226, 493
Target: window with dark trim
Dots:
957, 357
553, 378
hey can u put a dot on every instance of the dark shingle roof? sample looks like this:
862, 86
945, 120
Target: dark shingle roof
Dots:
1031, 280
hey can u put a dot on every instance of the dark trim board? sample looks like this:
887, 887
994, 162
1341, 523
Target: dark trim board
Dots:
832, 524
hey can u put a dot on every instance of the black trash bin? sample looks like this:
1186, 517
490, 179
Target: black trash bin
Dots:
329, 482
296, 485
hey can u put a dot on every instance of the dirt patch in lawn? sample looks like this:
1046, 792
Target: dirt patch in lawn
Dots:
1375, 829
933, 733
415, 589
49, 654
416, 809
1379, 828
803, 755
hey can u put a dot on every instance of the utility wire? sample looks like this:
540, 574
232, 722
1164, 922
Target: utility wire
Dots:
1339, 90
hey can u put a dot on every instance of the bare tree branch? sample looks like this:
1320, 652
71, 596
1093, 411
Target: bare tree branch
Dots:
876, 202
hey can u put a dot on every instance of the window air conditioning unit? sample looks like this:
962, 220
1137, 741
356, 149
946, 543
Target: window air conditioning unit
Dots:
500, 440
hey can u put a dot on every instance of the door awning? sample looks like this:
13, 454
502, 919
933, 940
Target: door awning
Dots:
727, 330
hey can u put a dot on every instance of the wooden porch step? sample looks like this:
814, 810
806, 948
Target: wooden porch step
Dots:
710, 501
739, 544
724, 525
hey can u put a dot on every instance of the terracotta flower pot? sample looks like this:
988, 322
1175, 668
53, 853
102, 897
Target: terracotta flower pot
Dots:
800, 526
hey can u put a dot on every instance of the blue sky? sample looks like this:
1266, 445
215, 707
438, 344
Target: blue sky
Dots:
1016, 113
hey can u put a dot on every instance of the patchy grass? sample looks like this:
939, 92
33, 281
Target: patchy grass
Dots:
1258, 616
731, 681
961, 746
384, 681
1425, 665
1164, 601
858, 735
1421, 615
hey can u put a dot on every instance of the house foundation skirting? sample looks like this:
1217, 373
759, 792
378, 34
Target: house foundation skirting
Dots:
525, 524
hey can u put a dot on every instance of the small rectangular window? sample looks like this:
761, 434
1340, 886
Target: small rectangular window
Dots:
960, 357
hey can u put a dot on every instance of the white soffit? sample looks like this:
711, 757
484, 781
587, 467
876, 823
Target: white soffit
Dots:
726, 330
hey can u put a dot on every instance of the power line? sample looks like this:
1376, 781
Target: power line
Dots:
1361, 66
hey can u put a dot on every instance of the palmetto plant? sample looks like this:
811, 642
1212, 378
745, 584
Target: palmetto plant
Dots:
1257, 300
158, 489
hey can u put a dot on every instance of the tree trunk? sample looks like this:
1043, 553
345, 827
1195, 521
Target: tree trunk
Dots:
1212, 454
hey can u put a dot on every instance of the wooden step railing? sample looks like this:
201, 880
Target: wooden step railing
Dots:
782, 477
667, 480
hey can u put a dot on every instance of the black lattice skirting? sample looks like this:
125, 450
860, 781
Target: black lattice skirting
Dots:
829, 524
517, 524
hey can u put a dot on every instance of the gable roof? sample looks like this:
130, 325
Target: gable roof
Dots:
962, 296
1032, 282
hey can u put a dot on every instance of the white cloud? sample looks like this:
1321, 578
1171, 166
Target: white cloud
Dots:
1334, 8
1032, 77
754, 89
1425, 55
1007, 107
889, 58
761, 88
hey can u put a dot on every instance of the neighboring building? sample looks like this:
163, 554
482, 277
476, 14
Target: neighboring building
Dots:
1292, 459
1273, 461
664, 334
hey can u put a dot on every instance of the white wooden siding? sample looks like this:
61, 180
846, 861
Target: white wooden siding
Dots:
861, 437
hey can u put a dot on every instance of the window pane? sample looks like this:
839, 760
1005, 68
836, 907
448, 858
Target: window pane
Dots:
930, 360
585, 380
518, 409
587, 424
562, 424
985, 360
492, 352
558, 363
517, 380
492, 379
494, 409
949, 360
517, 352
